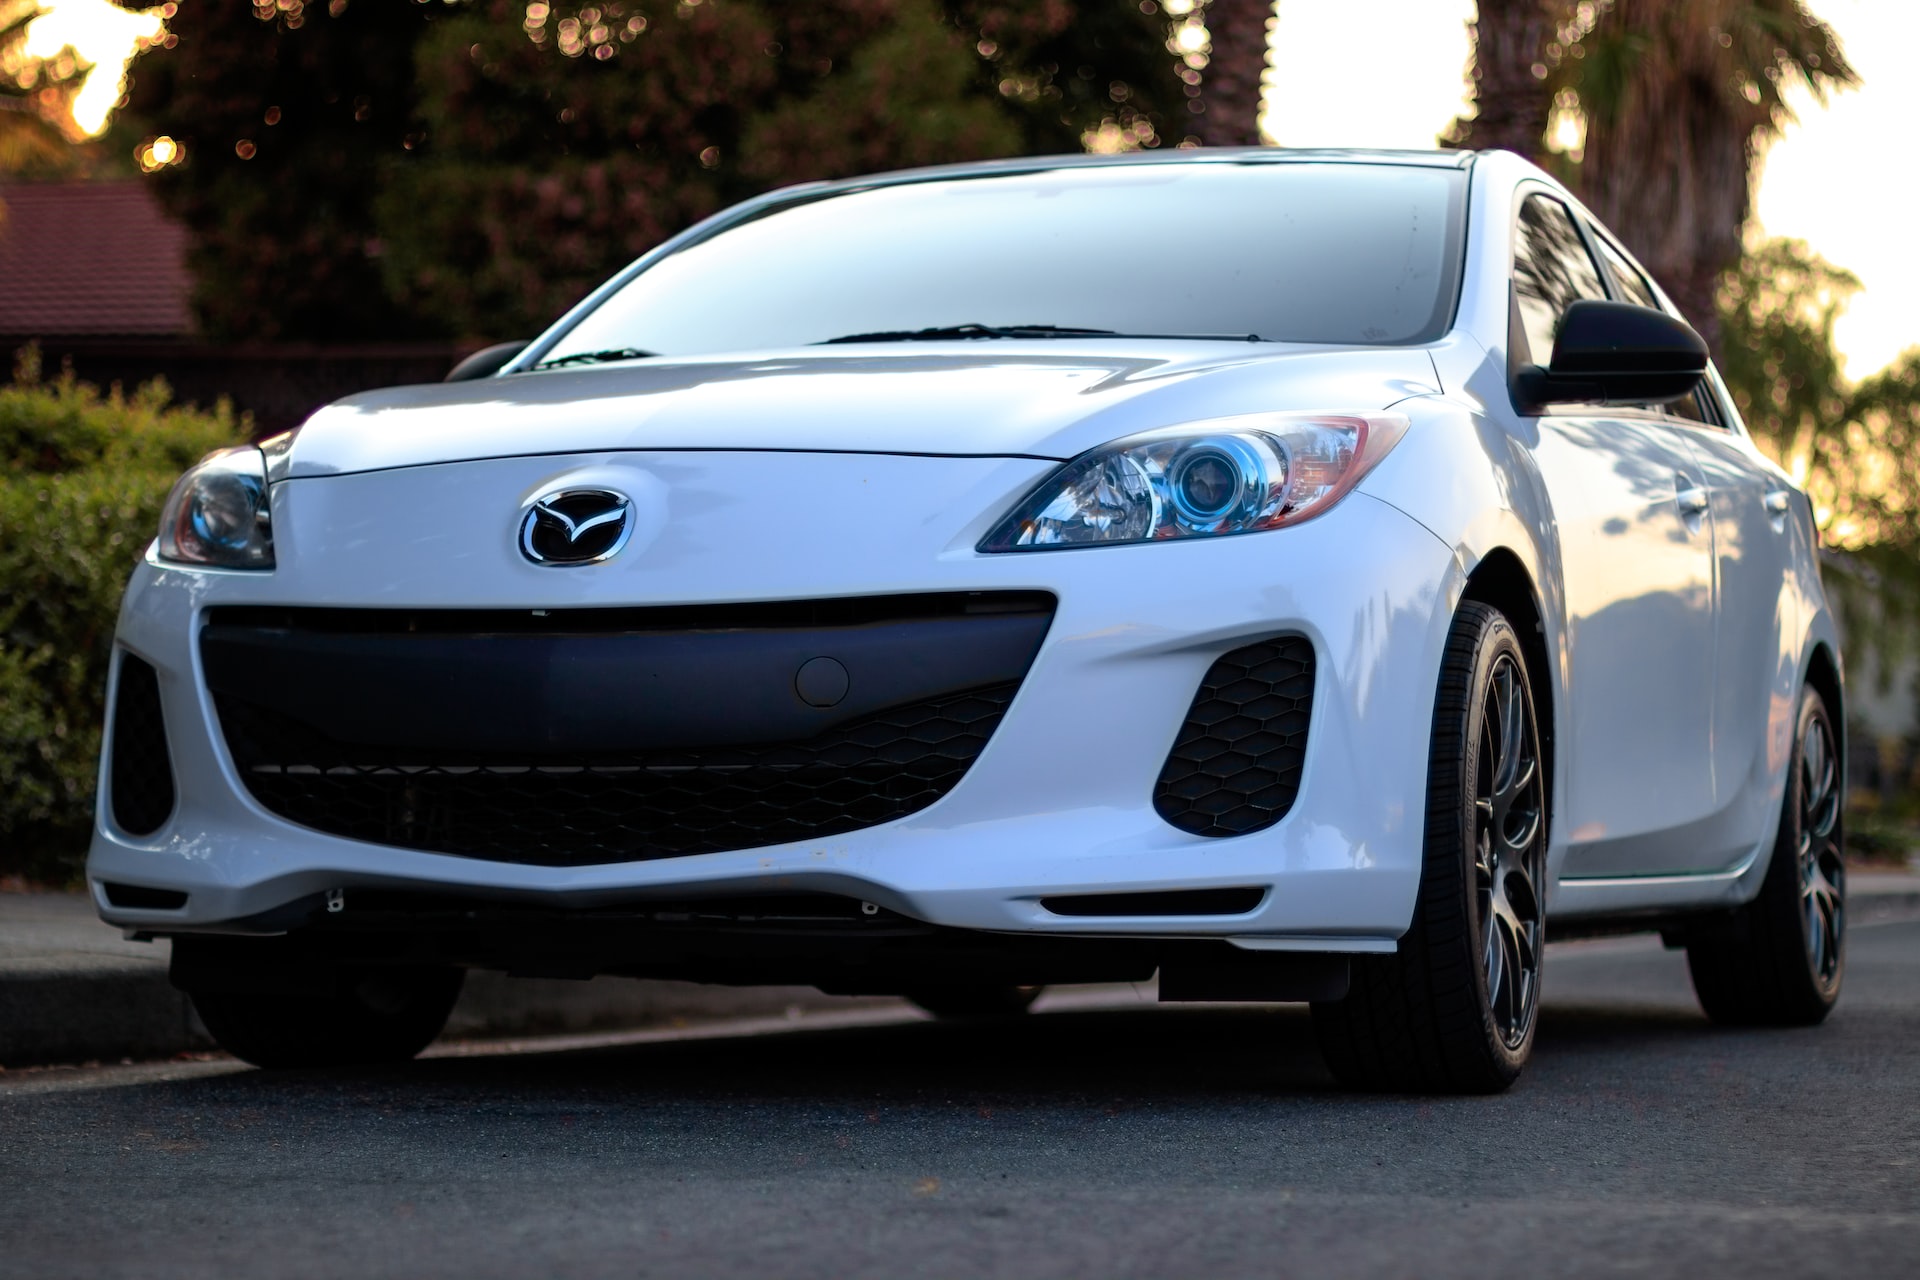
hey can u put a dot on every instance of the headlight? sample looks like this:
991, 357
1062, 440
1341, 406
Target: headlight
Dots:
1229, 475
217, 513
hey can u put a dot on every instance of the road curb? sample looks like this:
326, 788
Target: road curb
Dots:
94, 1014
132, 1011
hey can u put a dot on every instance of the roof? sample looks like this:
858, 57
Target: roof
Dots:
91, 259
1433, 159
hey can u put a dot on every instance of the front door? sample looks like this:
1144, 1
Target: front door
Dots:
1636, 554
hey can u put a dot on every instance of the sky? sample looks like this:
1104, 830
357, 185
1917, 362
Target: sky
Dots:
1337, 82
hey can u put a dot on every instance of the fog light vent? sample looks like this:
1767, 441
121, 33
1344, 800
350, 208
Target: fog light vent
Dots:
1235, 767
141, 782
137, 897
1169, 902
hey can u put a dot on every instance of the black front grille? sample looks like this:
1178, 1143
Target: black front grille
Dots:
1235, 767
141, 779
571, 738
557, 811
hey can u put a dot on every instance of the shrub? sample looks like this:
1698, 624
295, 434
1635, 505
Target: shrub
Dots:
82, 477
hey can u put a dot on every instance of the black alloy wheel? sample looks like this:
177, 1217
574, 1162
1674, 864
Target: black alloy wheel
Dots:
1509, 856
1454, 1009
1817, 854
1778, 961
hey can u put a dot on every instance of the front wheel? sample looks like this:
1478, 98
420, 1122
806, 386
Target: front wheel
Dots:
1453, 1009
1778, 960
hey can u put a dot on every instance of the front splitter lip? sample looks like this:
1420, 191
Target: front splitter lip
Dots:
1301, 910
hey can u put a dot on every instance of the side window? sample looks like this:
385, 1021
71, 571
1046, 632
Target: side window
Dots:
1551, 269
1693, 408
1632, 285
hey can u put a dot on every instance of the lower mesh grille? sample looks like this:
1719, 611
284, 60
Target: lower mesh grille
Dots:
1235, 767
141, 783
560, 811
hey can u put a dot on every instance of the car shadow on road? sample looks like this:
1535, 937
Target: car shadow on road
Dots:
1152, 1055
1144, 1053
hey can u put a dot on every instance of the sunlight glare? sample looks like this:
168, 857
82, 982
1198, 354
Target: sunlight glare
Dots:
102, 33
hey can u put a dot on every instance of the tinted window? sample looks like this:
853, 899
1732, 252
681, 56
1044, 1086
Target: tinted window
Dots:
1628, 282
1630, 286
1551, 269
1693, 407
1295, 252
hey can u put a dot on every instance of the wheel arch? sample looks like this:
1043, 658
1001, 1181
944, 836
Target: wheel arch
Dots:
1501, 581
1823, 675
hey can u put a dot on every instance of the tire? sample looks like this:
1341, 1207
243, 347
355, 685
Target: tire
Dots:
1778, 961
1453, 1009
361, 1017
975, 1000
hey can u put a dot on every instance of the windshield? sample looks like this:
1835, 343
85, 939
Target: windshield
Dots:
1355, 254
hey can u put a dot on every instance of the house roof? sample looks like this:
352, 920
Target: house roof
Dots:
91, 259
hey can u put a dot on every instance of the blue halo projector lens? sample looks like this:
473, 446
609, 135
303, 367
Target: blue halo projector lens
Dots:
1206, 482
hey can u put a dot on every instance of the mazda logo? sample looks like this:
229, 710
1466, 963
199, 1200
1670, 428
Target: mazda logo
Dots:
576, 526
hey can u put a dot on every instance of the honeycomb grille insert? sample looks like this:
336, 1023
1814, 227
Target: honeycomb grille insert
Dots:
579, 811
1235, 767
141, 781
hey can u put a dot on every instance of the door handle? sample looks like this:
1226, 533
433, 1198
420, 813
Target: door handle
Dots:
1691, 500
1775, 502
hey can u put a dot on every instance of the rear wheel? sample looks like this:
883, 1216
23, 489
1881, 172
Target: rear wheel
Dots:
1779, 960
1453, 1009
975, 1000
357, 1017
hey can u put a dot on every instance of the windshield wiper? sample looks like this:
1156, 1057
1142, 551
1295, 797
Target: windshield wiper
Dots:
596, 357
950, 332
962, 332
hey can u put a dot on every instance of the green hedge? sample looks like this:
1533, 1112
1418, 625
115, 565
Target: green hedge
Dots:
82, 477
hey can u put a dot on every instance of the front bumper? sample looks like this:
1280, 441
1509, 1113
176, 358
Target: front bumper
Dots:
1058, 803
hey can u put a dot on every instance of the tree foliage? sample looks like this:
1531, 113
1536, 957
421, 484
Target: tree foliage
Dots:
36, 100
471, 167
82, 477
565, 143
1853, 444
1677, 99
269, 130
1675, 102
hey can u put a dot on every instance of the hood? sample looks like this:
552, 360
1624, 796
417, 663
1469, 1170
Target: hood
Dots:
1003, 398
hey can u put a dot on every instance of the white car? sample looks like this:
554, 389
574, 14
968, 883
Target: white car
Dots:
1305, 575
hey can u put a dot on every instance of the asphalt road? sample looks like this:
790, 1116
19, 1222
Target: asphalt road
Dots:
1145, 1141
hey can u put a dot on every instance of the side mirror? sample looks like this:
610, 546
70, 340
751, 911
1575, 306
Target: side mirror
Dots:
1616, 353
486, 362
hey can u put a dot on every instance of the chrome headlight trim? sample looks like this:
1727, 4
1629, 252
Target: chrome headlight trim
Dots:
1212, 478
218, 514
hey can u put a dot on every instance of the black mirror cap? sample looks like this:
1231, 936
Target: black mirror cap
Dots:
487, 361
1617, 353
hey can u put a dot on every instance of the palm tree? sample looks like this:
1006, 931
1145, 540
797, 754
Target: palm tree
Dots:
1679, 100
1514, 50
1237, 31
